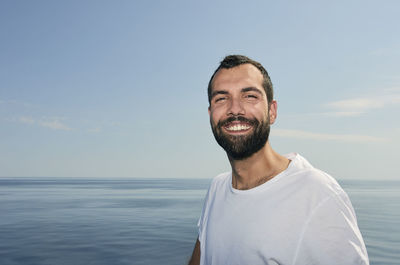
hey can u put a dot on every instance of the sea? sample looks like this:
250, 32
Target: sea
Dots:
73, 221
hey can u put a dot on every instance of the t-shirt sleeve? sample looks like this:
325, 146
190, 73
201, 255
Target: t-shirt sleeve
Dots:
331, 235
203, 216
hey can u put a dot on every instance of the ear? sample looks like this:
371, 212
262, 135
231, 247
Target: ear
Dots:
209, 111
273, 111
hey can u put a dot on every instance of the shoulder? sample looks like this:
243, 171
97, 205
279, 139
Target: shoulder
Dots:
221, 177
218, 184
220, 181
315, 184
331, 224
313, 178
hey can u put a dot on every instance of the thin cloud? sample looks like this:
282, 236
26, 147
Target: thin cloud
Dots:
358, 106
386, 52
94, 130
26, 120
55, 125
17, 103
51, 123
393, 89
343, 113
299, 134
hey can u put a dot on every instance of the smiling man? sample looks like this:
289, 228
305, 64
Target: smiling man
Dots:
270, 209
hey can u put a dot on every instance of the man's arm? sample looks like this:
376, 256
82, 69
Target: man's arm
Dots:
195, 260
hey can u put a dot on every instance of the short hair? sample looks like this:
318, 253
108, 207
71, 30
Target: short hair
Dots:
231, 61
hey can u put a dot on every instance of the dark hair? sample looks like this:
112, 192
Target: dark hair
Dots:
231, 61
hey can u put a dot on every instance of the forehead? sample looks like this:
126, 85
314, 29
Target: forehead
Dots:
244, 75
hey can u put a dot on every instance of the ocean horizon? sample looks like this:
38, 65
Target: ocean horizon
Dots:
147, 221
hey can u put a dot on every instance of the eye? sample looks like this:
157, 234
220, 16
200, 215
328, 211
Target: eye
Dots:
251, 96
219, 99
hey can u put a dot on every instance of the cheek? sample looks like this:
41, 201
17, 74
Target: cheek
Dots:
214, 120
260, 113
216, 114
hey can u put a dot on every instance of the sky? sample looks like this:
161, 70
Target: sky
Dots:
117, 89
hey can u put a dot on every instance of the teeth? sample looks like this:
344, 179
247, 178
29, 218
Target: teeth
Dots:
238, 127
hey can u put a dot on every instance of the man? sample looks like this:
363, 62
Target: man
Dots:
270, 209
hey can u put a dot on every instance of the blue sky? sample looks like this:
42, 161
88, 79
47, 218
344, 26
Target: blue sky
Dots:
118, 88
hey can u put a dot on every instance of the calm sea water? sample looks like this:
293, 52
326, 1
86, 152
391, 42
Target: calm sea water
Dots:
142, 221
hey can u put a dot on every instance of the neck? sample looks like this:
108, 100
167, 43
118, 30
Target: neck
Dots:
258, 168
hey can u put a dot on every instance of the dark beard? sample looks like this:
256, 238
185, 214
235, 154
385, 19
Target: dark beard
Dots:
240, 147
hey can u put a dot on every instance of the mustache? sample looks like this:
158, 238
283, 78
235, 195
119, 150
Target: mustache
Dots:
237, 118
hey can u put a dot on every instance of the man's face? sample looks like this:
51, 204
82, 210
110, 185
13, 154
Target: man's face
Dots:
239, 114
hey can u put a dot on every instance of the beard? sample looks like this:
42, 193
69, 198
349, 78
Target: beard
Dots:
240, 147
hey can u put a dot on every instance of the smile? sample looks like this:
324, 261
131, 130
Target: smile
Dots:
237, 127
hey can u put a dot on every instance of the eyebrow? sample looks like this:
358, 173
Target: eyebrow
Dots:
218, 92
244, 90
248, 89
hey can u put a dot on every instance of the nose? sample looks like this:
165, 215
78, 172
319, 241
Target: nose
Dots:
235, 107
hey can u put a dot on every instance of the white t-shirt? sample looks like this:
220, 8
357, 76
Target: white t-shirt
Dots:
301, 216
